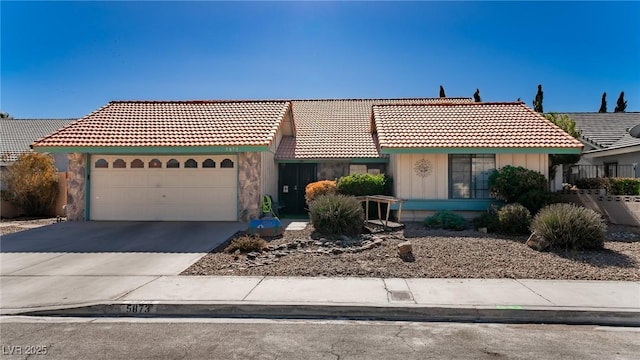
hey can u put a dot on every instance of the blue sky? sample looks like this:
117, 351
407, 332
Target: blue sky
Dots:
66, 59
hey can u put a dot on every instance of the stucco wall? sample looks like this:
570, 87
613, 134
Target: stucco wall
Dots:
622, 159
76, 183
332, 170
249, 185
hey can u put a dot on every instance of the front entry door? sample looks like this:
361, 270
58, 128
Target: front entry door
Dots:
293, 179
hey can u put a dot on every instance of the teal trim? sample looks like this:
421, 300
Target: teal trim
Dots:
481, 150
87, 188
156, 150
445, 204
238, 188
384, 160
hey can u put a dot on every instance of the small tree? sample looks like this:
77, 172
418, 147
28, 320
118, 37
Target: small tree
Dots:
603, 103
476, 96
442, 92
537, 102
622, 103
5, 115
32, 183
569, 126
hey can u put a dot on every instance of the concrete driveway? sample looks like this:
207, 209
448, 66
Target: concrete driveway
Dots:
80, 261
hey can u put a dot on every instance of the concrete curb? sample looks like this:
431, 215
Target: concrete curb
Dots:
547, 315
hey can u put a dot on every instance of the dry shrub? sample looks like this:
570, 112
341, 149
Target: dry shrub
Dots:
570, 227
32, 183
246, 243
322, 187
335, 215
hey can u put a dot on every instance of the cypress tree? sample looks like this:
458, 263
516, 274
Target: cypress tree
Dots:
603, 104
622, 103
476, 96
442, 92
537, 102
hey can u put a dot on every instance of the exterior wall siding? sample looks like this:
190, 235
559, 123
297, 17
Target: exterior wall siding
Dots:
535, 162
409, 185
269, 173
76, 185
249, 185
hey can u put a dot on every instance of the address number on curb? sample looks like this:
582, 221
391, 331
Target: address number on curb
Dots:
137, 308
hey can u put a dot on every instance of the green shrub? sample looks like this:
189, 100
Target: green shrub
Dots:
489, 220
535, 200
246, 243
32, 183
362, 184
568, 226
594, 183
509, 183
334, 215
446, 220
322, 187
625, 186
514, 219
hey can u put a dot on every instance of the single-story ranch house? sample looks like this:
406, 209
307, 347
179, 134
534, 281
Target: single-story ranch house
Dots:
213, 160
611, 148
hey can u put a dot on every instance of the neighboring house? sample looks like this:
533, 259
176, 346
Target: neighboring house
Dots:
213, 160
16, 136
610, 149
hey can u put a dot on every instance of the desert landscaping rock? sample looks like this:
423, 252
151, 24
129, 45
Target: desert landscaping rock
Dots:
438, 254
404, 248
537, 243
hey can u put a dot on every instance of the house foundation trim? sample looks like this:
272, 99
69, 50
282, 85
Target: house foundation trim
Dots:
445, 204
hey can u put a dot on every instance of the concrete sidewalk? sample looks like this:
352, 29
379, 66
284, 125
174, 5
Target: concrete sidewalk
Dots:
490, 300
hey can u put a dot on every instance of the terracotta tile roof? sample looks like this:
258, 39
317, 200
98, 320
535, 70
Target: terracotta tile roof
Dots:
338, 128
472, 125
174, 123
17, 134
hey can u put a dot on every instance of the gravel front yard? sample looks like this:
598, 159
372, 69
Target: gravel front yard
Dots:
8, 226
438, 254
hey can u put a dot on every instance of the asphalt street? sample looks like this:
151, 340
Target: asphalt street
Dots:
140, 338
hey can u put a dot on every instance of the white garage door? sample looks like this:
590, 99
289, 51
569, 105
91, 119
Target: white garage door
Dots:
181, 188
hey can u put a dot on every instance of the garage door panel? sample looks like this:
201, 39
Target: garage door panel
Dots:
225, 180
174, 178
199, 196
196, 194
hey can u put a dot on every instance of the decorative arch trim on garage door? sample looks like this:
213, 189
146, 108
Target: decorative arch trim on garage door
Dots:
154, 188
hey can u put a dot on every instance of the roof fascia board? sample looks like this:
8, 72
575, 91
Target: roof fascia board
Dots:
386, 150
350, 160
609, 152
150, 149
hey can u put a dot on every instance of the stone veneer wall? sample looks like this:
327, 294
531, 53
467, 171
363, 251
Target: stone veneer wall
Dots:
76, 175
248, 185
332, 170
